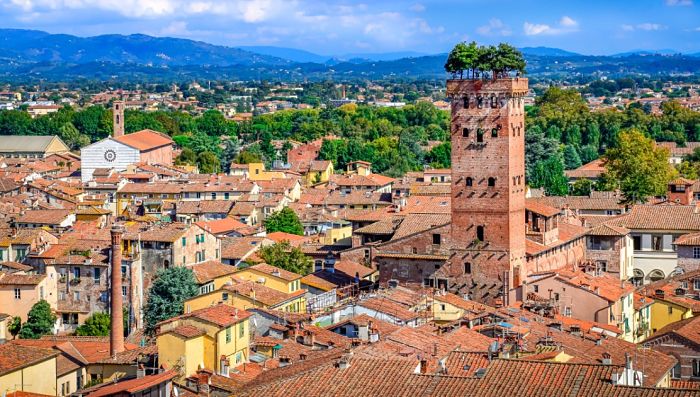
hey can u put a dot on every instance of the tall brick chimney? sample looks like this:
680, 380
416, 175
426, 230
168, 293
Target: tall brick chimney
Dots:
118, 118
116, 339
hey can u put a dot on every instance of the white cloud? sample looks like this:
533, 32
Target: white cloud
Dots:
679, 3
495, 27
300, 23
533, 29
566, 25
647, 26
568, 22
417, 7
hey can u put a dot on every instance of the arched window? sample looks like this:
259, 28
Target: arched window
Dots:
466, 102
479, 135
494, 102
465, 132
467, 268
492, 182
469, 181
656, 275
480, 233
479, 101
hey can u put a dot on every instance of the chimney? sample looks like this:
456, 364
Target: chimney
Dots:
116, 339
607, 359
423, 365
118, 118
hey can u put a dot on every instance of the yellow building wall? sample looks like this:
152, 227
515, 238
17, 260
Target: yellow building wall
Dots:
215, 297
664, 313
72, 379
256, 172
240, 302
445, 312
209, 352
334, 236
273, 282
172, 352
110, 372
56, 146
39, 378
238, 344
194, 355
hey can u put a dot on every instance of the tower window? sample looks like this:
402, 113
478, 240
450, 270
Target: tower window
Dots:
515, 181
494, 102
494, 132
479, 135
467, 268
465, 132
479, 102
492, 182
470, 181
466, 102
480, 233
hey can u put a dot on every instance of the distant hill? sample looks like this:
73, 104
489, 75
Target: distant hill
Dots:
291, 54
35, 46
547, 52
665, 51
30, 56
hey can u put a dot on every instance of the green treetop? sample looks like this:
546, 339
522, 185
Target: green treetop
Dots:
286, 221
499, 60
40, 321
171, 288
640, 168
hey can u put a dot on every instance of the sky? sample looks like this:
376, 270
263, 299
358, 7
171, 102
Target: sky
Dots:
331, 27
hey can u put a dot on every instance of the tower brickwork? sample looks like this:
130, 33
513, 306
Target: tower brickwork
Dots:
118, 118
488, 186
116, 339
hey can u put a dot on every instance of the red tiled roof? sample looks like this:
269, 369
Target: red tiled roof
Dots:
207, 271
224, 225
145, 140
275, 271
14, 356
132, 386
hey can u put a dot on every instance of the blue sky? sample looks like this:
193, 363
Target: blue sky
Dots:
351, 26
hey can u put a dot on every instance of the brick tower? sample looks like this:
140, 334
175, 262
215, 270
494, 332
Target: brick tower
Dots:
116, 337
118, 118
488, 187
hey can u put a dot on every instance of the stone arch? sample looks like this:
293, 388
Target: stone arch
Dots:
656, 275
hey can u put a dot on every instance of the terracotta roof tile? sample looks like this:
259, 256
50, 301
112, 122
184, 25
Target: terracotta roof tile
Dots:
145, 140
207, 271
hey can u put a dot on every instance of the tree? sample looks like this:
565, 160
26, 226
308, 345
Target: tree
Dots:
286, 257
187, 157
14, 326
549, 174
229, 152
208, 163
462, 57
171, 288
640, 168
286, 221
571, 158
582, 187
40, 321
247, 157
439, 156
97, 324
72, 137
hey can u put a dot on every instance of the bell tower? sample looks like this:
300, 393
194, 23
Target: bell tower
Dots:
488, 186
118, 118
